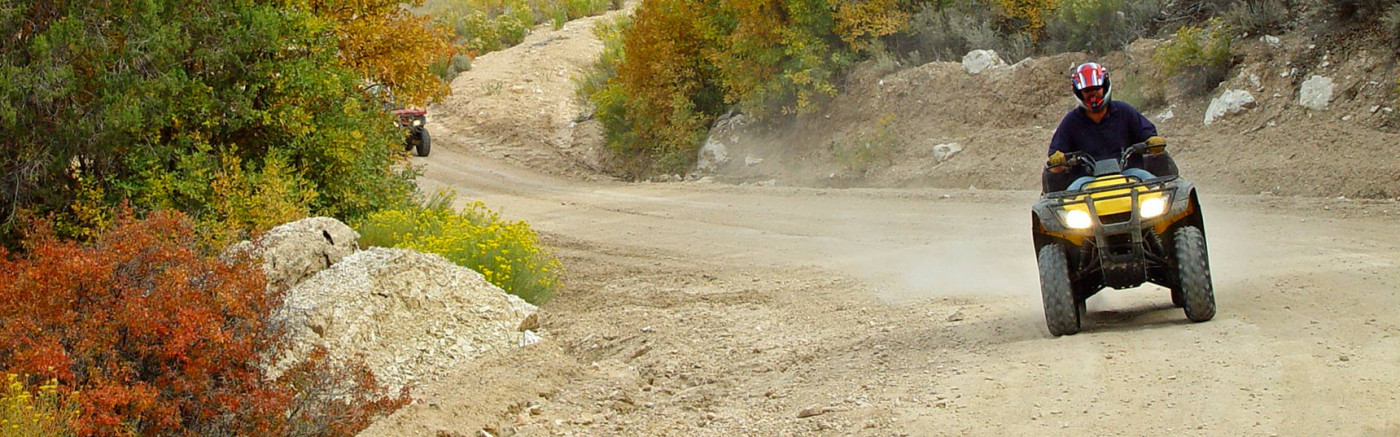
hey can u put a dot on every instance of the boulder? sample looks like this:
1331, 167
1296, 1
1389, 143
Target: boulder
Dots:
977, 61
1315, 93
411, 317
295, 251
944, 152
1229, 102
724, 134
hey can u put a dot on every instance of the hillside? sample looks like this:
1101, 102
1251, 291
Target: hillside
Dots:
518, 105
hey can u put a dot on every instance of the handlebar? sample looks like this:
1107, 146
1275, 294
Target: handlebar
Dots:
1074, 159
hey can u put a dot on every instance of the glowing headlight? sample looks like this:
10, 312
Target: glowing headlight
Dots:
1077, 219
1152, 207
417, 123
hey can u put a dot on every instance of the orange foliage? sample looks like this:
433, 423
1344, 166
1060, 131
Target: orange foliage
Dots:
389, 45
155, 337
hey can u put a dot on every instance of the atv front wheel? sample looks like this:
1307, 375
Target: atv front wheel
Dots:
1193, 273
1061, 310
425, 143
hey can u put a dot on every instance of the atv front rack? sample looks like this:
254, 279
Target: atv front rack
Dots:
1120, 243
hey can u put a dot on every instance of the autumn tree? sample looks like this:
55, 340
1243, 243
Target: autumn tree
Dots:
685, 62
388, 45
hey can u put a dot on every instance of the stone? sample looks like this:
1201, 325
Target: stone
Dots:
1271, 40
944, 152
723, 135
1166, 115
814, 410
295, 251
977, 61
1315, 93
410, 317
1229, 102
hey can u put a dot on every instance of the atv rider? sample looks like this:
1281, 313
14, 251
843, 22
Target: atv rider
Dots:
1101, 127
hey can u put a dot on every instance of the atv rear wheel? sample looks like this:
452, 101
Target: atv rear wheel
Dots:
1193, 273
1061, 310
1178, 297
425, 143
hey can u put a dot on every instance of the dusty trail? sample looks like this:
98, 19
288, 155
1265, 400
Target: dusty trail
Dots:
715, 309
700, 309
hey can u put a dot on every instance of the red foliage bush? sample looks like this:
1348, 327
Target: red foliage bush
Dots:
159, 338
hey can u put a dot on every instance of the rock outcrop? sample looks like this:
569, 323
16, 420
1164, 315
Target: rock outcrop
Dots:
295, 251
411, 317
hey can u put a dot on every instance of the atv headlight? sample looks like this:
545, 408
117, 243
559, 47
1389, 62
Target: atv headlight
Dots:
1152, 207
1077, 219
417, 122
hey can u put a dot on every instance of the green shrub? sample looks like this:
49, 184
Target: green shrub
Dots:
1098, 26
947, 32
1357, 11
508, 254
1390, 22
595, 78
1138, 91
1197, 57
1256, 16
874, 148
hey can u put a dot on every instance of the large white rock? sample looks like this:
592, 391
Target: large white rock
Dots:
724, 134
977, 61
294, 251
1316, 92
411, 317
944, 152
1230, 102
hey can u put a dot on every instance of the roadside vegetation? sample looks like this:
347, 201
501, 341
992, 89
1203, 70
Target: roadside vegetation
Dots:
144, 331
678, 65
508, 254
139, 140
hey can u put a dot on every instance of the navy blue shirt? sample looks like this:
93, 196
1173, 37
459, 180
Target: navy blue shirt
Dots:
1121, 127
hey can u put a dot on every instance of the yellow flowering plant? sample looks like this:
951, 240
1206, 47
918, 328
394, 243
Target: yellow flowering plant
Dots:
43, 411
508, 254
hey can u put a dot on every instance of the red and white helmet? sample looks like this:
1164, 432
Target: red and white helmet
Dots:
1089, 75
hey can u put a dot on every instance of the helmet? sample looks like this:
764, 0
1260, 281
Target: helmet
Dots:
1089, 75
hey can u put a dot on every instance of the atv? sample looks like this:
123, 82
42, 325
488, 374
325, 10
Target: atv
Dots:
1120, 227
414, 121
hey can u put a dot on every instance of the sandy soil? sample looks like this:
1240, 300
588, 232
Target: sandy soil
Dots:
718, 309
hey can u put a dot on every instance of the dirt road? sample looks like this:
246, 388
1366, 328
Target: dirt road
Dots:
709, 309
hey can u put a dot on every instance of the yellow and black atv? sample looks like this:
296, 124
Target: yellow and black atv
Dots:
1119, 228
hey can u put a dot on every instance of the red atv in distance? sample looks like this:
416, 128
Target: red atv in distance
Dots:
415, 121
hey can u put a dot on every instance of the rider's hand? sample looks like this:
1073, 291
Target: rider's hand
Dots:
1056, 158
1156, 141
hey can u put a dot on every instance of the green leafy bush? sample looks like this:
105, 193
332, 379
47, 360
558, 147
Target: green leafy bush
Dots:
1098, 26
508, 254
92, 120
1198, 57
